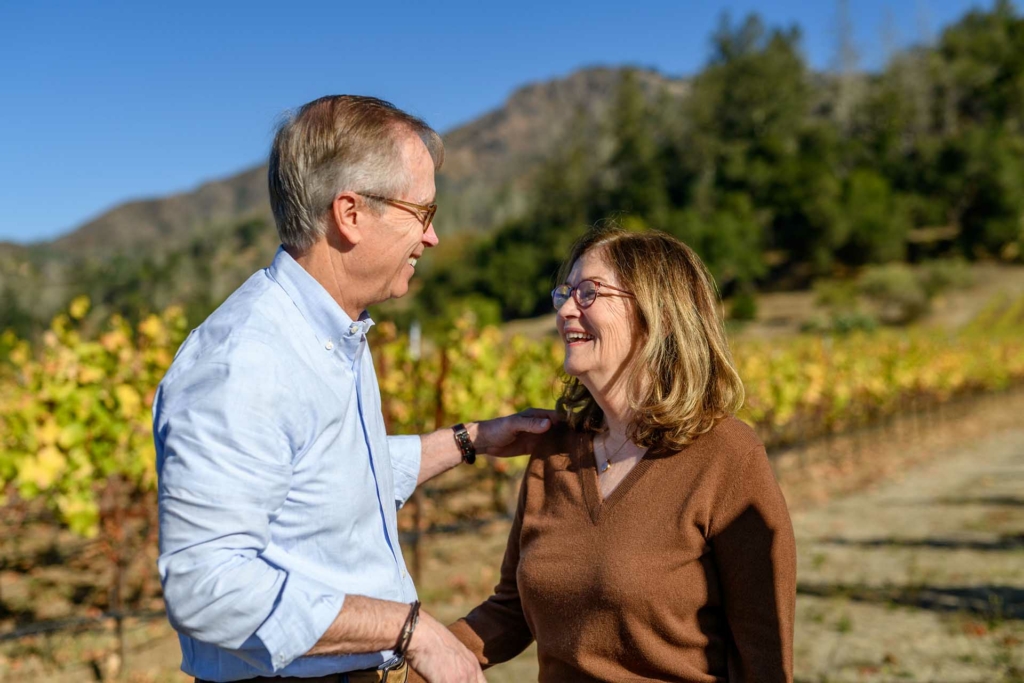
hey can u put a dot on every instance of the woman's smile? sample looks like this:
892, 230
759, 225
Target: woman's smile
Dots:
577, 337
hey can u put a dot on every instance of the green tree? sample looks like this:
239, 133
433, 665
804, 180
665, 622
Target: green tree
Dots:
876, 218
727, 237
984, 55
750, 131
14, 316
984, 171
639, 185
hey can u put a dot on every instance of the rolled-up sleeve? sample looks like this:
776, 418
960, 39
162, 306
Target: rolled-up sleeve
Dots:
405, 454
224, 437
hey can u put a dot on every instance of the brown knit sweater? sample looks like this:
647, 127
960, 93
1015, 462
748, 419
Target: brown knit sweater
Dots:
687, 572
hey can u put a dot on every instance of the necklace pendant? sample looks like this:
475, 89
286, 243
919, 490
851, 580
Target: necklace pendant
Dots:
605, 466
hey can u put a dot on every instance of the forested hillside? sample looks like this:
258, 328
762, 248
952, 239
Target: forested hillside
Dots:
776, 174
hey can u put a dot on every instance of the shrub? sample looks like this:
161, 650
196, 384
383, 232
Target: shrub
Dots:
854, 321
938, 276
816, 324
744, 306
898, 292
840, 323
836, 295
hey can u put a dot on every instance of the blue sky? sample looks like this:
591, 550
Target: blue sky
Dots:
105, 102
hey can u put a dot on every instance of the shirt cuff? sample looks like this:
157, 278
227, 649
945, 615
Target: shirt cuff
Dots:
405, 463
304, 610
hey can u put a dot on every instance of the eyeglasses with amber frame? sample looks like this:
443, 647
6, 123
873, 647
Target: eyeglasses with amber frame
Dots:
424, 212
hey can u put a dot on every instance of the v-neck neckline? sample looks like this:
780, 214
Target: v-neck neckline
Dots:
596, 504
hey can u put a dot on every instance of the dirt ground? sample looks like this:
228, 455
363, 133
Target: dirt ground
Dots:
910, 548
921, 578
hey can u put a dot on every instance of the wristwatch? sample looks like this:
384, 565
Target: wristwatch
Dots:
464, 443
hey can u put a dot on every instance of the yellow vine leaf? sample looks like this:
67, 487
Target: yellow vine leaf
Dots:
44, 469
90, 374
72, 435
48, 432
152, 327
128, 399
79, 307
81, 514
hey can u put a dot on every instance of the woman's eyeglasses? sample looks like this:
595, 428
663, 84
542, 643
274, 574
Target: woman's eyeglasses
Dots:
424, 212
585, 293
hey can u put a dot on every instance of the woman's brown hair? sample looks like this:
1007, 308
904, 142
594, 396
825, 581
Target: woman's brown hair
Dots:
682, 379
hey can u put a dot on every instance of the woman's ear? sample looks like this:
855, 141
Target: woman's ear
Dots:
348, 217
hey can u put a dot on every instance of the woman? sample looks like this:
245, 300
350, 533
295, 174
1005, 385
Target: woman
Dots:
651, 541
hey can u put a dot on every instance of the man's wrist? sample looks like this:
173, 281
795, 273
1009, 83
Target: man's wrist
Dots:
408, 628
365, 624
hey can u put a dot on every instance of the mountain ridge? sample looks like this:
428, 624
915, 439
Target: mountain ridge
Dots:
488, 163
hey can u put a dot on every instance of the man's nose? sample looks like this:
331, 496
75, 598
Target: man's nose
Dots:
430, 237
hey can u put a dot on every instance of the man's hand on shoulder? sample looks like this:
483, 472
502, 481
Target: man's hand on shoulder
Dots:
513, 434
503, 437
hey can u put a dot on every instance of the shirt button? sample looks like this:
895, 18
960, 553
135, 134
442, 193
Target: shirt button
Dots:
353, 328
329, 345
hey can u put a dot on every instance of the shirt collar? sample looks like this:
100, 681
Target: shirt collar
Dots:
331, 324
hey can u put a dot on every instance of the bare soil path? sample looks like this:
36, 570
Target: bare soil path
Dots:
920, 579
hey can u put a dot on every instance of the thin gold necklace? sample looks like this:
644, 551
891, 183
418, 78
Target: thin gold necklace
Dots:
608, 458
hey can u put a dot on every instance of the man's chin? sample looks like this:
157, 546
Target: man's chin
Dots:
400, 289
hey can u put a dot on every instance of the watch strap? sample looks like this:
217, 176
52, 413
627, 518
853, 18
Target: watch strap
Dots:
464, 443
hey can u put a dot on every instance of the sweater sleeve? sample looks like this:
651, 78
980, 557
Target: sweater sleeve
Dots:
755, 554
496, 630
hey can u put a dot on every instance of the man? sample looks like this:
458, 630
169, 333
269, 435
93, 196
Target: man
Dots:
278, 487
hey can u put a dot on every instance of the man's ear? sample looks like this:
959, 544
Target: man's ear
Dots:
348, 217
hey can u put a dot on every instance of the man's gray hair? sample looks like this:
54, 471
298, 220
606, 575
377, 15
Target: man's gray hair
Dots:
335, 143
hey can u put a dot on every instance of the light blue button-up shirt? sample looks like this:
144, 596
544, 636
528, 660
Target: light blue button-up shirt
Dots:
278, 486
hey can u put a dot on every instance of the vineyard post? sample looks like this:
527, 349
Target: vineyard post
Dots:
915, 412
112, 523
15, 513
439, 415
416, 353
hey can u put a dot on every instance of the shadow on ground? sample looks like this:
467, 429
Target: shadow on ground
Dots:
990, 602
1003, 542
988, 501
